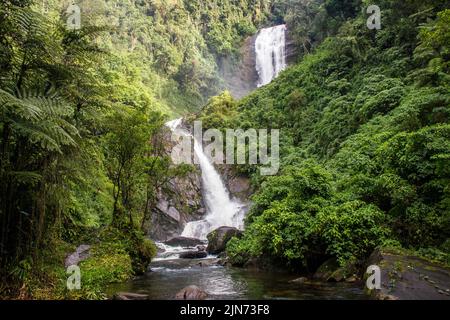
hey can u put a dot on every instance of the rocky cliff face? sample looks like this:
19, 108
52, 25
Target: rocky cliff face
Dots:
291, 50
237, 185
178, 203
239, 73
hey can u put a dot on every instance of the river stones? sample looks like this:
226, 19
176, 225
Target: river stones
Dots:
193, 255
191, 293
184, 242
218, 239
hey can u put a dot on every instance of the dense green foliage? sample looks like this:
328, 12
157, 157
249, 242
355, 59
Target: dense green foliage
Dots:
169, 48
54, 163
81, 117
365, 142
364, 119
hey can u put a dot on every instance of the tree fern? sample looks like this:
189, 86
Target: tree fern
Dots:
40, 119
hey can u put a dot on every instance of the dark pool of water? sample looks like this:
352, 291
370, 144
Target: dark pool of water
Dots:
170, 276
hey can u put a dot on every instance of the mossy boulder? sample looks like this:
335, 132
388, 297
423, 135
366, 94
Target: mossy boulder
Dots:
218, 239
326, 270
332, 271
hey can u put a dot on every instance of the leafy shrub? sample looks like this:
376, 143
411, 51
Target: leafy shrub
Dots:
351, 231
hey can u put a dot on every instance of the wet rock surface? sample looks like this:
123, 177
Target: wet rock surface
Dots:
239, 73
191, 293
193, 255
325, 271
331, 271
184, 242
237, 184
180, 201
405, 277
299, 280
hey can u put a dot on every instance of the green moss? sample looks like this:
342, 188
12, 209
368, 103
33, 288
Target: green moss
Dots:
109, 263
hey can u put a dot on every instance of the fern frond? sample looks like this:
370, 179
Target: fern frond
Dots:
26, 177
41, 119
13, 107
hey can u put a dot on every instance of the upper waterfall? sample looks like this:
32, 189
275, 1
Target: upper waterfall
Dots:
270, 50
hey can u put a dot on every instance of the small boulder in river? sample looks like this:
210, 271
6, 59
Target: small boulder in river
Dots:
184, 242
301, 280
193, 255
206, 263
191, 293
218, 239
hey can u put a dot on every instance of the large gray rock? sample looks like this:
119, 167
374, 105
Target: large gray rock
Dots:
218, 239
237, 184
191, 293
184, 242
406, 277
193, 255
164, 206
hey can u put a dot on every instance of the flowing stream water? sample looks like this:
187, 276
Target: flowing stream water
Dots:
169, 273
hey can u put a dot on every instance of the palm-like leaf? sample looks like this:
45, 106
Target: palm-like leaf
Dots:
41, 119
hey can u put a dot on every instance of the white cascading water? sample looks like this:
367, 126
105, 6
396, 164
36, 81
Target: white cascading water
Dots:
270, 48
221, 209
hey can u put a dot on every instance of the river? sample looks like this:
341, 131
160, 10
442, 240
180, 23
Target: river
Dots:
228, 283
